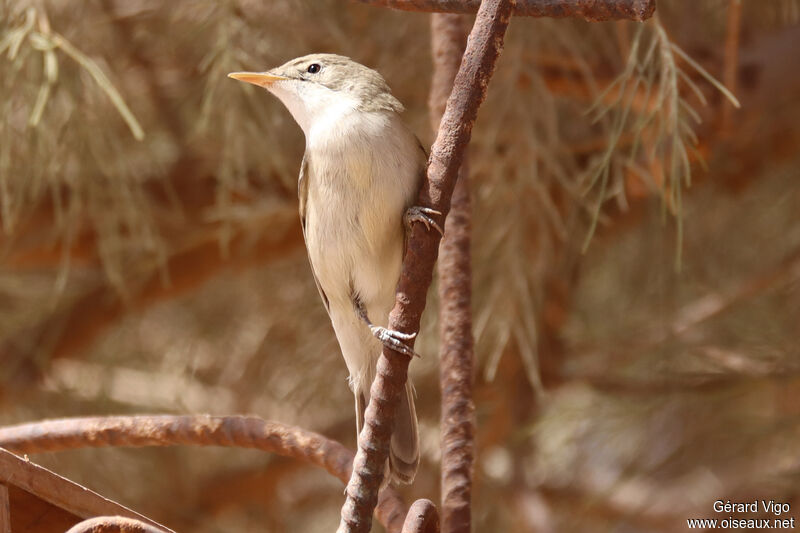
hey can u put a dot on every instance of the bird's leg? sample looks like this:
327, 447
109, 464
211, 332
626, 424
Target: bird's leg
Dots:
418, 213
396, 340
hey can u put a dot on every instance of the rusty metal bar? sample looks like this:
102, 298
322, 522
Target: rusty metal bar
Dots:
448, 42
113, 524
469, 91
199, 430
595, 10
422, 518
31, 482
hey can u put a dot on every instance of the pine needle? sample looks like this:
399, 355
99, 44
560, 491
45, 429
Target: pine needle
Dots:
703, 72
103, 82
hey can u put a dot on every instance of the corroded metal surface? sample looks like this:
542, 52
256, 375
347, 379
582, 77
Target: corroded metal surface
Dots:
199, 430
113, 524
469, 91
595, 10
448, 41
422, 518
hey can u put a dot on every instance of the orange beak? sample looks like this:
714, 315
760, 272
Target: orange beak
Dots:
262, 79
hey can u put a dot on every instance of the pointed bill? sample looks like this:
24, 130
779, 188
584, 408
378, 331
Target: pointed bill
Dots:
262, 79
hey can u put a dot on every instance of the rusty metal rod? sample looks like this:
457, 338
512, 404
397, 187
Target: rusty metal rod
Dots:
594, 10
422, 518
113, 524
448, 41
197, 430
469, 91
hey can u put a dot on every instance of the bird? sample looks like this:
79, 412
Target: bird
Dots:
359, 178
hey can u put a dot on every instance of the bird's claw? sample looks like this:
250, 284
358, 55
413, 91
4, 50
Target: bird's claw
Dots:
422, 214
394, 339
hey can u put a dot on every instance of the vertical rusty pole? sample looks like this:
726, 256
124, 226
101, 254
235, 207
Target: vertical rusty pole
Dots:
469, 90
448, 42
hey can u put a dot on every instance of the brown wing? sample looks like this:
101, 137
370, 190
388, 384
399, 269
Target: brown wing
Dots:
302, 193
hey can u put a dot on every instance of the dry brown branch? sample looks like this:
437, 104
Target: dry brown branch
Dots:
469, 90
714, 304
113, 524
449, 39
196, 257
198, 430
5, 511
588, 9
422, 518
604, 509
126, 40
638, 98
96, 311
731, 60
697, 383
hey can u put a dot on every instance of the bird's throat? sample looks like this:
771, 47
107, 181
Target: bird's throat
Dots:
318, 110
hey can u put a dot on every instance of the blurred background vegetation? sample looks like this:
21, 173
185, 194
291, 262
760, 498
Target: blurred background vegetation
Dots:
636, 256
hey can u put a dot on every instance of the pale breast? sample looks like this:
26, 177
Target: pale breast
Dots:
362, 177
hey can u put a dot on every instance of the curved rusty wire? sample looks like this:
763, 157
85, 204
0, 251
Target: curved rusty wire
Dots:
113, 524
197, 430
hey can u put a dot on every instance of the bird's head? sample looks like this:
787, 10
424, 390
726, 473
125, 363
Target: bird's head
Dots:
322, 86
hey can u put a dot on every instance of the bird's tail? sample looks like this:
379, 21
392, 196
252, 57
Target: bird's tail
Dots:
404, 447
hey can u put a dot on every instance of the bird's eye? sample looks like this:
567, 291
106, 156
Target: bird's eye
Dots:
313, 68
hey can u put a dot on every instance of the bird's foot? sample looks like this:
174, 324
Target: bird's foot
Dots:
422, 214
394, 339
